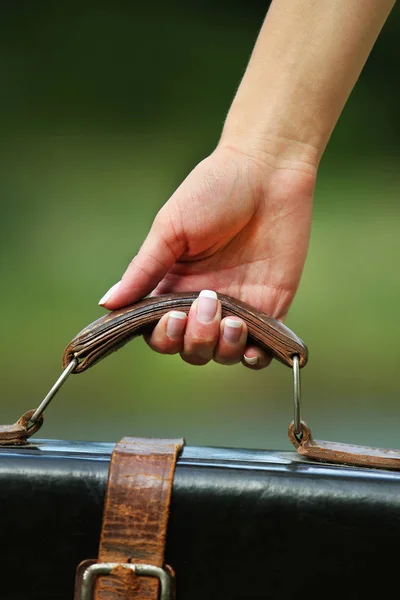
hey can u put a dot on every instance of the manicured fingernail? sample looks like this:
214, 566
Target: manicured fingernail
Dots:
207, 306
176, 324
251, 360
108, 294
232, 330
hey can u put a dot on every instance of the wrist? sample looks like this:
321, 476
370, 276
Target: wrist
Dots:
280, 171
270, 144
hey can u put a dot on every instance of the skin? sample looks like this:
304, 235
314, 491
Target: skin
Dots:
239, 224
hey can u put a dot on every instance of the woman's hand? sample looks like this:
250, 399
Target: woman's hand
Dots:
239, 224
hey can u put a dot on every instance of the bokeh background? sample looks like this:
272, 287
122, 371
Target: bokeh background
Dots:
105, 108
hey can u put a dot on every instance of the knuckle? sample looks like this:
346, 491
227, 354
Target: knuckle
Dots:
198, 342
224, 360
195, 360
229, 354
173, 349
165, 346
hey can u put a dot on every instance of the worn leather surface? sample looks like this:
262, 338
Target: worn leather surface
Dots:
115, 329
136, 513
244, 525
19, 432
349, 454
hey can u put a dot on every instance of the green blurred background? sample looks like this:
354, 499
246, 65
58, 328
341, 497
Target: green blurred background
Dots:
105, 108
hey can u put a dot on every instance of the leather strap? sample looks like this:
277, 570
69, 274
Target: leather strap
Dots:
135, 517
115, 329
350, 454
19, 432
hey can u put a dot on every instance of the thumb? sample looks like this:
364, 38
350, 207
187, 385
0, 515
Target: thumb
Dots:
158, 253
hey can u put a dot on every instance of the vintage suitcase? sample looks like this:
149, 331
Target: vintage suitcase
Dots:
241, 524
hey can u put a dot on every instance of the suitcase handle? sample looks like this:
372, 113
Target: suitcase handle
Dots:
115, 329
112, 331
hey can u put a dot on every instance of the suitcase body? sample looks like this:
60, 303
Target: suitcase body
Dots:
244, 524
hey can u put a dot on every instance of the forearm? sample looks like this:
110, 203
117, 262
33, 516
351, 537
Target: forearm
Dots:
306, 61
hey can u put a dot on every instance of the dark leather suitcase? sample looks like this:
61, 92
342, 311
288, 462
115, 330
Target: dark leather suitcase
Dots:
243, 524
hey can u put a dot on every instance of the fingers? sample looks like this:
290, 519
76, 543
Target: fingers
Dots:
254, 358
167, 336
232, 341
202, 336
202, 329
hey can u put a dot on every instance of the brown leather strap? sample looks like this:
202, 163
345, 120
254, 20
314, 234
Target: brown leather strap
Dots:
135, 516
348, 454
19, 432
115, 329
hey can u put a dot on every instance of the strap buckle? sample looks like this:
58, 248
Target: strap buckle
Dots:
165, 577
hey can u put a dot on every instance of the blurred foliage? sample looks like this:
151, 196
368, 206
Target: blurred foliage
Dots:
105, 107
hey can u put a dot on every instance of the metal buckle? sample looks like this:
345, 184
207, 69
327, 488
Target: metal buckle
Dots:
96, 570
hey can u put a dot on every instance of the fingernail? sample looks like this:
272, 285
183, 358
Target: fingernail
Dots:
108, 294
176, 324
251, 360
232, 330
207, 306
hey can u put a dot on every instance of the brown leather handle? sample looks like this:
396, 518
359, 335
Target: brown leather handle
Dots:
114, 330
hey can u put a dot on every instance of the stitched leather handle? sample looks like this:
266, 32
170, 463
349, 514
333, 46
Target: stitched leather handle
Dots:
114, 330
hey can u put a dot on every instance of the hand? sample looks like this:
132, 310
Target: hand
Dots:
239, 224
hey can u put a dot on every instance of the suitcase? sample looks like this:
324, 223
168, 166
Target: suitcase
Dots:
242, 524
